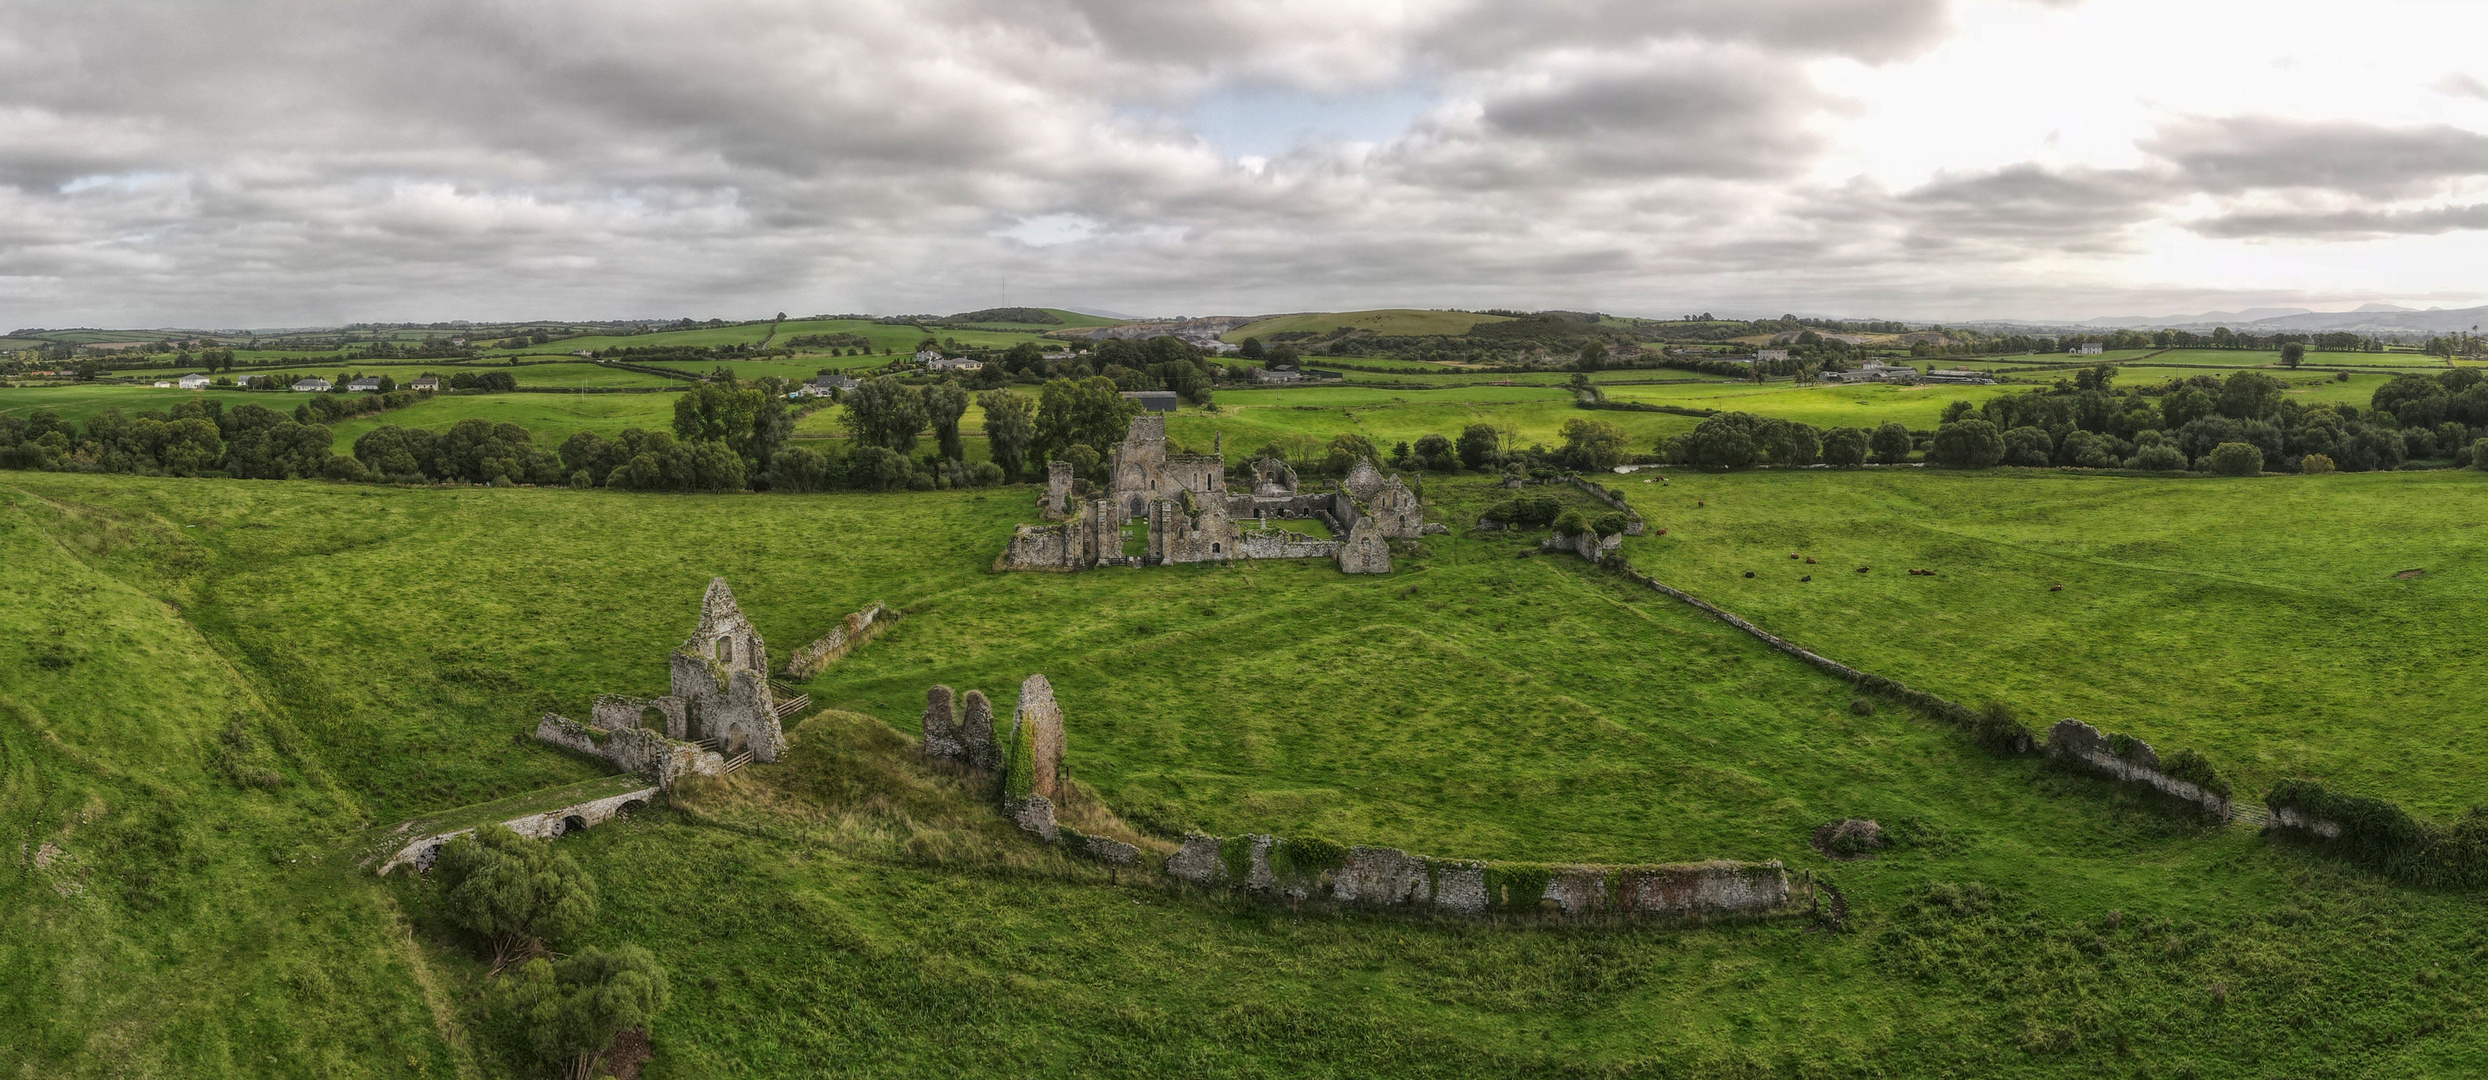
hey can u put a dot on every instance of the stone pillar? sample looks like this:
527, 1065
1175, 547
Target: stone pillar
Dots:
1039, 723
976, 733
1057, 490
941, 727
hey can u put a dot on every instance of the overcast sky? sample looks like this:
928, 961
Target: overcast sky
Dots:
229, 164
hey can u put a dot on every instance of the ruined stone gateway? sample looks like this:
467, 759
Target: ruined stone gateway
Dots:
1192, 517
723, 705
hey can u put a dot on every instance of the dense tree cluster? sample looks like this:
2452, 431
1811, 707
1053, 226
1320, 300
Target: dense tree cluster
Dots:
199, 437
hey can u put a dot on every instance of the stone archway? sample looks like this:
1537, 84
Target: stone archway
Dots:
735, 738
1140, 507
573, 823
652, 719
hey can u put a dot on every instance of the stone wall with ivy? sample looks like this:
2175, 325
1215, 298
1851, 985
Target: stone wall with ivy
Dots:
1308, 868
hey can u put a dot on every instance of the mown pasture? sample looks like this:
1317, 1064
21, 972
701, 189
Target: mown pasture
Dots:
384, 647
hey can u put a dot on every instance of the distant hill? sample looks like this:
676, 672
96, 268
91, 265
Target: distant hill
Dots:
1407, 322
2367, 319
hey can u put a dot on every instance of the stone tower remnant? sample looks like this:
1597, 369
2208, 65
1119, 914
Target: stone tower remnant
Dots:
976, 734
941, 727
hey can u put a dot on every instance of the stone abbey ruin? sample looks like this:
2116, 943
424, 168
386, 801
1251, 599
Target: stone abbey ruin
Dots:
1190, 515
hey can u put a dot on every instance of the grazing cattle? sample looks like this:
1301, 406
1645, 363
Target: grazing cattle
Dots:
1862, 569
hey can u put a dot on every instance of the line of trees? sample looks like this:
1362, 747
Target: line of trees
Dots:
2245, 423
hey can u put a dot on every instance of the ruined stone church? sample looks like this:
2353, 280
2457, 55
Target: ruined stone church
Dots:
1192, 517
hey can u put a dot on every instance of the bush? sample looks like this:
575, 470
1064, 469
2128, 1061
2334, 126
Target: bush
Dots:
2197, 770
2316, 464
1891, 443
1997, 727
1526, 511
2479, 454
2236, 459
1572, 523
2161, 458
1611, 523
1306, 857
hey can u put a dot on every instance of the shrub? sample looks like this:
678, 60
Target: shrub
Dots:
1997, 727
2373, 831
2161, 458
1517, 887
1527, 511
1891, 443
2479, 454
2236, 459
2029, 447
1611, 523
1306, 857
1572, 523
2197, 770
2316, 464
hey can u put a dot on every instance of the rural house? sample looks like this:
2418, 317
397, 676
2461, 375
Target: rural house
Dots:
425, 382
194, 382
312, 385
367, 382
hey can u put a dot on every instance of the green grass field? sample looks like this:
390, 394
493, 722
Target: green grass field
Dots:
551, 418
1392, 321
2259, 621
382, 647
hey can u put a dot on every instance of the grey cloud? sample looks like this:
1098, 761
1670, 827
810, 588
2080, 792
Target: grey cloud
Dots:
2241, 153
2461, 85
2343, 224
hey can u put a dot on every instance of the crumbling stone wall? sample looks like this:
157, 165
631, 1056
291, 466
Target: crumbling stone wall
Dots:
632, 749
1035, 764
1633, 523
1076, 544
1057, 504
1391, 878
1588, 545
1280, 543
2076, 741
850, 635
614, 712
1365, 552
976, 739
941, 727
1395, 511
1192, 530
1144, 472
1363, 481
1272, 478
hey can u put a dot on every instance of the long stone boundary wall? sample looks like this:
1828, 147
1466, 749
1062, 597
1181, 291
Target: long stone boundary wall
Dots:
1391, 878
847, 637
2076, 741
632, 749
1634, 526
543, 825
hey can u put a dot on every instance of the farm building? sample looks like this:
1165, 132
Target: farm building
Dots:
194, 382
1155, 401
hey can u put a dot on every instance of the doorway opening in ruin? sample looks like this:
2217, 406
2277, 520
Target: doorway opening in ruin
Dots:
725, 649
735, 738
1213, 549
1140, 506
652, 719
574, 823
